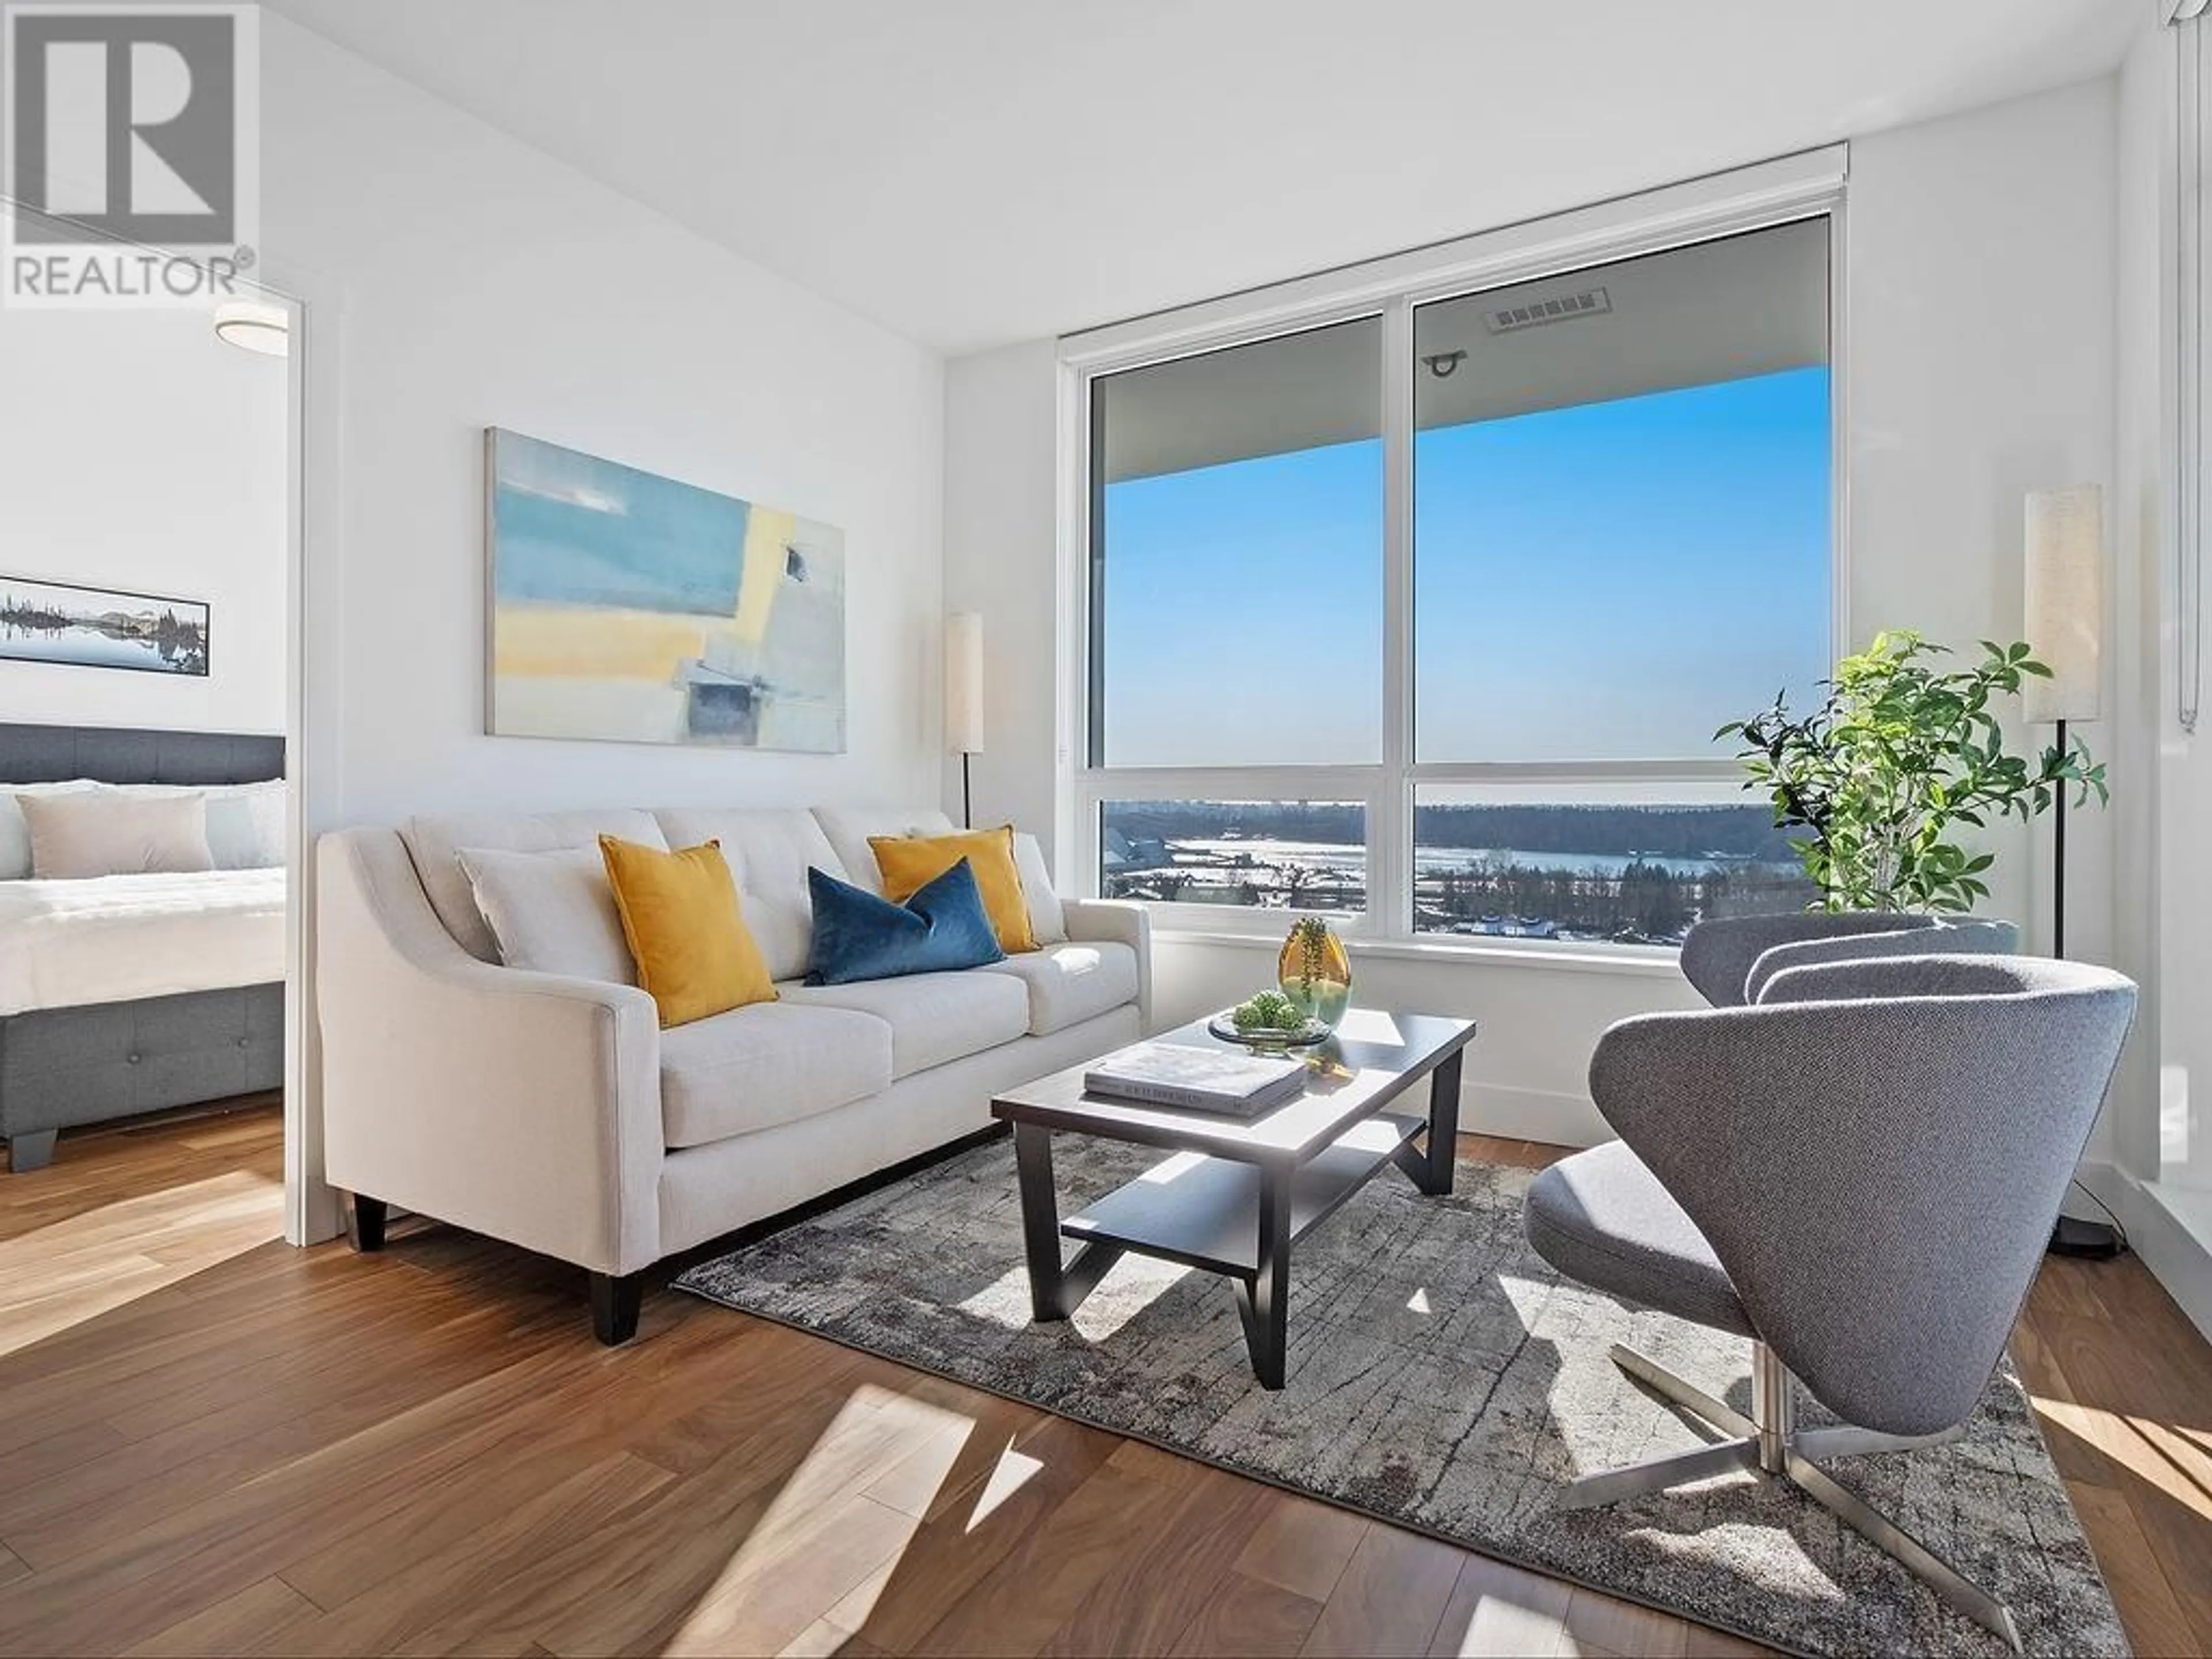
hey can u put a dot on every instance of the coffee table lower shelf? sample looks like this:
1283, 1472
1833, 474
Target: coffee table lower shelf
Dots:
1204, 1211
1232, 1197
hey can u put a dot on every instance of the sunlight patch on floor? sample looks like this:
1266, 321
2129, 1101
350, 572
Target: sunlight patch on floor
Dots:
1138, 1281
826, 1533
74, 1270
2151, 1451
1013, 1470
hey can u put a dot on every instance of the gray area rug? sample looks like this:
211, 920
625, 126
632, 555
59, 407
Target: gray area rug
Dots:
1442, 1377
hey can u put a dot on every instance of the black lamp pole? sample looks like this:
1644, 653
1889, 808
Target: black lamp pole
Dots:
2058, 861
2069, 1235
967, 796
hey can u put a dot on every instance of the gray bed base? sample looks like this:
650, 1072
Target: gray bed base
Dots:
62, 1068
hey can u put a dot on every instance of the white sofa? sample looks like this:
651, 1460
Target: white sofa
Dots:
554, 1113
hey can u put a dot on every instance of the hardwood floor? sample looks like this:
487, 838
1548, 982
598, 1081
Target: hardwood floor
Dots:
211, 1443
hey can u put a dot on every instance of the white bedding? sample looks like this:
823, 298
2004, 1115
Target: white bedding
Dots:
114, 938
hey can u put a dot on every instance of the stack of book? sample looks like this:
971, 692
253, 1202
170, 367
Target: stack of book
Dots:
1195, 1079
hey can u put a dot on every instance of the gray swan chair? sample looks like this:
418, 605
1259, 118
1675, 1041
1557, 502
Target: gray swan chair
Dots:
1857, 1169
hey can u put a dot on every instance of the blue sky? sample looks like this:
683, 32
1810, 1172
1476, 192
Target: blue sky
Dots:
1608, 581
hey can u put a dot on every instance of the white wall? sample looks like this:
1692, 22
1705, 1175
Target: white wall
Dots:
479, 282
138, 452
1978, 306
1000, 531
457, 279
1979, 351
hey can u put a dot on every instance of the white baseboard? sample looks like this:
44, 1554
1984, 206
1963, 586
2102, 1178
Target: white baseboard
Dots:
2163, 1231
1558, 1119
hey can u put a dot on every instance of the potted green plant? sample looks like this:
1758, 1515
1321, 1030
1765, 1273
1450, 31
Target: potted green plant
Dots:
1899, 758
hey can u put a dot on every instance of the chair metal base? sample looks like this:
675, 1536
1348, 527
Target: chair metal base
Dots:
1769, 1441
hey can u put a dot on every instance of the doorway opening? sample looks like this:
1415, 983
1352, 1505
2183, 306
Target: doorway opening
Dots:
149, 514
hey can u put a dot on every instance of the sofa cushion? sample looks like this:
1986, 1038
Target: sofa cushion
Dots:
1067, 984
849, 827
552, 912
435, 844
770, 850
1048, 919
768, 1063
933, 1018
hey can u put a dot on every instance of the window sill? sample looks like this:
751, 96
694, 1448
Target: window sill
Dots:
1635, 961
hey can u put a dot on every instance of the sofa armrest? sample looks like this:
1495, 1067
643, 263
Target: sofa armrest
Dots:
522, 1105
1117, 921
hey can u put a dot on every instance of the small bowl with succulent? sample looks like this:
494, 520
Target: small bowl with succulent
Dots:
1269, 1021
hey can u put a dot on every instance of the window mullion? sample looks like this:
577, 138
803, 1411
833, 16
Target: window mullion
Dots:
1389, 810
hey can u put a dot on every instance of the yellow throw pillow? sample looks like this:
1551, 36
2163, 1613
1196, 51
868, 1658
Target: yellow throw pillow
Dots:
679, 911
911, 862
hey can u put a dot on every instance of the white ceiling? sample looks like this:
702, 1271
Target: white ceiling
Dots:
974, 172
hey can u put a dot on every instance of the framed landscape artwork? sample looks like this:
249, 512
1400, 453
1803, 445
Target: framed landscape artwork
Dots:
628, 607
101, 628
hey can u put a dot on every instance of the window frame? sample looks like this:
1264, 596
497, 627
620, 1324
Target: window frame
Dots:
1798, 188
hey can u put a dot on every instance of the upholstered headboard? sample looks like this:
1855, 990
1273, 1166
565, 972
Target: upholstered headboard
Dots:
55, 754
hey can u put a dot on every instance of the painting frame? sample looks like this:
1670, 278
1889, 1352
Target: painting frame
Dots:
629, 606
196, 664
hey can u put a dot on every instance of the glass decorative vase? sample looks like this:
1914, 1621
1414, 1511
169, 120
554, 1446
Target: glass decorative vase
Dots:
1314, 972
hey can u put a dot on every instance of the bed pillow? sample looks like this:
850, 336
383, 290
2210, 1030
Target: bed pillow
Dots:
943, 925
551, 913
14, 834
82, 834
245, 825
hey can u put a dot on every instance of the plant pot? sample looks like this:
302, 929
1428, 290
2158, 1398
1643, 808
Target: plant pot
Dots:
1314, 972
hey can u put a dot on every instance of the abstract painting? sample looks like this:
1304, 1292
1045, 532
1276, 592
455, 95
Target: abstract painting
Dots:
101, 628
628, 607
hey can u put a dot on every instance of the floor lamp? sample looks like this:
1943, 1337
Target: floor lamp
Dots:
963, 698
2065, 594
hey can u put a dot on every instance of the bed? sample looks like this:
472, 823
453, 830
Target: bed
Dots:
125, 995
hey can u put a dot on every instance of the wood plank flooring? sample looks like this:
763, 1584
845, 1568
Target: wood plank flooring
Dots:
211, 1443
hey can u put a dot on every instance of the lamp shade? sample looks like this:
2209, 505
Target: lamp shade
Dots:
963, 683
2066, 602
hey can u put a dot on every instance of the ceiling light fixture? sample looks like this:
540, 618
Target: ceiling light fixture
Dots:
254, 325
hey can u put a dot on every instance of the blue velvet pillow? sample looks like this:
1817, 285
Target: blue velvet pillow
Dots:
858, 935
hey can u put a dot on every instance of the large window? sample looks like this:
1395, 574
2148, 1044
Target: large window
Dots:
1428, 616
1239, 522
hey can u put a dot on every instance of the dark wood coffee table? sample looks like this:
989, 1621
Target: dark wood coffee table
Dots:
1256, 1186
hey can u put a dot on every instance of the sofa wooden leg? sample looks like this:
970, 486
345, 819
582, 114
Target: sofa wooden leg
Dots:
615, 1303
364, 1222
31, 1152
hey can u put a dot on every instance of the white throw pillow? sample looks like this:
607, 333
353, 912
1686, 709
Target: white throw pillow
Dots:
80, 834
551, 913
1048, 920
245, 825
